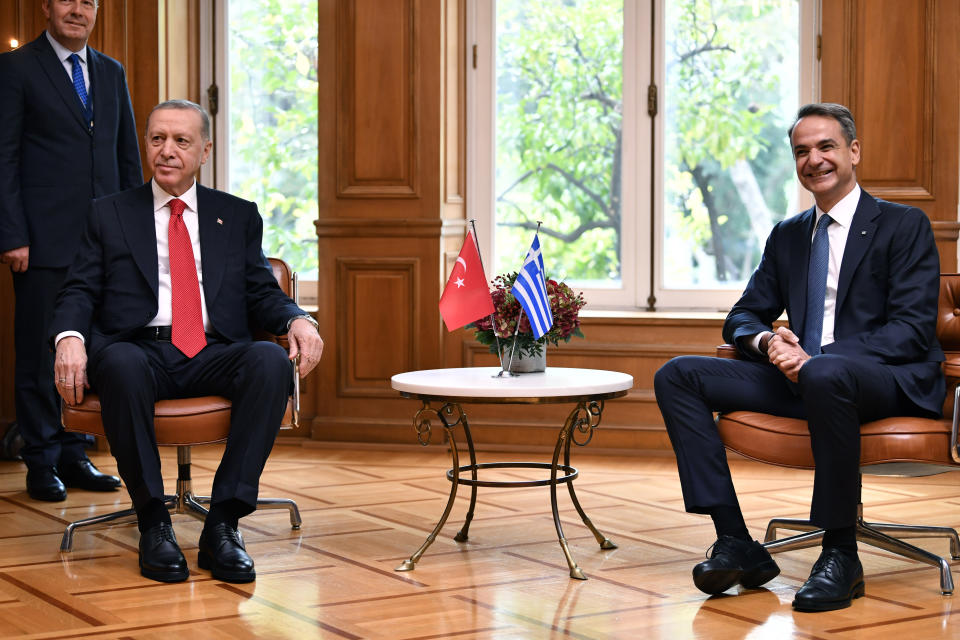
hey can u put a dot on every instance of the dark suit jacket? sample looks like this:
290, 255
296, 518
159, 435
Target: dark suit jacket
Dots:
111, 288
51, 162
886, 295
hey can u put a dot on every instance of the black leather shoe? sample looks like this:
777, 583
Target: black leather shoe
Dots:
836, 579
81, 474
43, 484
734, 560
223, 553
160, 555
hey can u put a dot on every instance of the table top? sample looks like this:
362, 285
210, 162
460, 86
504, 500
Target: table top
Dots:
482, 384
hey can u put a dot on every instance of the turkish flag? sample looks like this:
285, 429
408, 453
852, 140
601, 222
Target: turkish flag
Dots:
466, 296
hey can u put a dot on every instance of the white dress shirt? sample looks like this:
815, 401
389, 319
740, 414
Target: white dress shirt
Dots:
839, 229
63, 54
837, 232
161, 220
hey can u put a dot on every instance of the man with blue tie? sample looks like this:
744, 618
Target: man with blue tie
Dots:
68, 135
859, 280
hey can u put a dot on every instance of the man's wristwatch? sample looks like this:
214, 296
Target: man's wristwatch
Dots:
306, 317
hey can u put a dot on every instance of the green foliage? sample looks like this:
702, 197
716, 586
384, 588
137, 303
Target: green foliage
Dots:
273, 121
731, 86
731, 77
559, 128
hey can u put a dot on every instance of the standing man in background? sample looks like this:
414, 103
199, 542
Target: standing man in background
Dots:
68, 136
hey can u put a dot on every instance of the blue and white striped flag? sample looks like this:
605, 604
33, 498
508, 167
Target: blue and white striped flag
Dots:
530, 290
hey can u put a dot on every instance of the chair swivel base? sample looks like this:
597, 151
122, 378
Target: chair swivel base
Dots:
874, 534
183, 501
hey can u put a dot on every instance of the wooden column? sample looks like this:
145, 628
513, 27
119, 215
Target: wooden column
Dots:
390, 189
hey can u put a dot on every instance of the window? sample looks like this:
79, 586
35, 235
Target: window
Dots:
266, 122
673, 208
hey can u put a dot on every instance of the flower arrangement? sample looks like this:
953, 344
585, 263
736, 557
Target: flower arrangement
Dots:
564, 303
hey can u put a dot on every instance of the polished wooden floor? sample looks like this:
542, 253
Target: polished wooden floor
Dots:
366, 510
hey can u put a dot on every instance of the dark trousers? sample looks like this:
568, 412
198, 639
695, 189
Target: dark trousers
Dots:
45, 443
131, 376
834, 394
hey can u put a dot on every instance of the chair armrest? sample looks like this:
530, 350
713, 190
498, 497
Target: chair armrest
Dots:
296, 392
728, 351
954, 445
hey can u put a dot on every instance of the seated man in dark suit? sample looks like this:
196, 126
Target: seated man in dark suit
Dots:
167, 280
859, 280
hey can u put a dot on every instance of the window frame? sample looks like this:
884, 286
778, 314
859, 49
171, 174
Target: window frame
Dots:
641, 232
215, 73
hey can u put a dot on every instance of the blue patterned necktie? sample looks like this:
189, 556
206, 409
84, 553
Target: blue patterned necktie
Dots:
80, 85
816, 287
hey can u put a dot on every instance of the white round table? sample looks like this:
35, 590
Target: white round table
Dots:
588, 388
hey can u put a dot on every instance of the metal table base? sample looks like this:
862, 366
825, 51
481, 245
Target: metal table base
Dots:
577, 429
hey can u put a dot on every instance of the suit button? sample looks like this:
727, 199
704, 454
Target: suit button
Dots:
956, 312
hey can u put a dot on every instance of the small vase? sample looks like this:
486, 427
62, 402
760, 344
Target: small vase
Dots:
526, 364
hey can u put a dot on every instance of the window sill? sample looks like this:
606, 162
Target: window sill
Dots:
627, 316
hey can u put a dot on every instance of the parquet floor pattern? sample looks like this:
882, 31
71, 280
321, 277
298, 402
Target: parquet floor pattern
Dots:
367, 510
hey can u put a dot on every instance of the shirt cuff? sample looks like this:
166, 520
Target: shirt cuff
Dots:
67, 334
755, 342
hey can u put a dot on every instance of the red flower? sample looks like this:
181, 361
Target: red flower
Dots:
564, 303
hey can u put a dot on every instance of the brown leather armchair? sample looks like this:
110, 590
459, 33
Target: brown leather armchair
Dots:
183, 423
903, 446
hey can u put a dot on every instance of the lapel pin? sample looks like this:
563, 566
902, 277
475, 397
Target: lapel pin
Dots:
219, 221
862, 233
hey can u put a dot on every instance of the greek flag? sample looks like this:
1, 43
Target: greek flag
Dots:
530, 290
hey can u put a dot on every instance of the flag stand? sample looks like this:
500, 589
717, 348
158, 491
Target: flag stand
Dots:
493, 319
506, 373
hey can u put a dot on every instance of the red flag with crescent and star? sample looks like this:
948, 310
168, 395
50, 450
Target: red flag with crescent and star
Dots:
466, 296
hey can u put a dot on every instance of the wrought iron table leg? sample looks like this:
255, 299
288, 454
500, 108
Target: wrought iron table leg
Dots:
589, 419
575, 571
464, 532
422, 426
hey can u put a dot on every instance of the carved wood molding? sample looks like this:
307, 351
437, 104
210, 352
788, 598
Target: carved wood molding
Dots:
378, 323
945, 230
378, 106
378, 227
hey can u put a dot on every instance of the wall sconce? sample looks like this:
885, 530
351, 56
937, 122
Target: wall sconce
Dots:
14, 43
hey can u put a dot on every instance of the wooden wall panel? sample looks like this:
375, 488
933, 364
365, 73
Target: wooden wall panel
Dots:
894, 64
378, 324
381, 128
379, 110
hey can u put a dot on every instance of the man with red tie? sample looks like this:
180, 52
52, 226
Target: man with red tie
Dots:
159, 304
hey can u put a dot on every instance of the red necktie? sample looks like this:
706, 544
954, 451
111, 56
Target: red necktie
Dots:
187, 328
